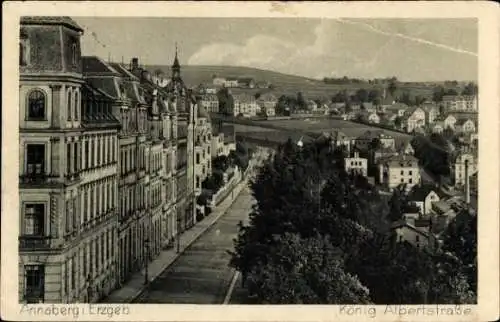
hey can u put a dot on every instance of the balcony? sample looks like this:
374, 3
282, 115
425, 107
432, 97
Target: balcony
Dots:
28, 243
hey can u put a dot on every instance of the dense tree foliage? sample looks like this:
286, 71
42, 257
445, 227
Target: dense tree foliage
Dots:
320, 235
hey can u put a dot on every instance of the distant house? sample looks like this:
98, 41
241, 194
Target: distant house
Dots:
465, 126
416, 233
267, 103
460, 103
424, 196
246, 82
397, 108
219, 81
399, 170
431, 111
364, 140
262, 85
382, 153
368, 117
231, 82
449, 122
356, 165
210, 103
414, 118
245, 104
438, 127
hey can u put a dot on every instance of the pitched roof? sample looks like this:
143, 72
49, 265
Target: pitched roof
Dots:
420, 192
93, 65
400, 161
405, 224
51, 20
105, 84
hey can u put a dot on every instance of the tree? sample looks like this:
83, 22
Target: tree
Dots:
301, 102
406, 98
470, 89
438, 93
396, 205
392, 86
361, 95
374, 96
304, 271
460, 239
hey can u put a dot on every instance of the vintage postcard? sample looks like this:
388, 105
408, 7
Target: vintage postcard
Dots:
250, 161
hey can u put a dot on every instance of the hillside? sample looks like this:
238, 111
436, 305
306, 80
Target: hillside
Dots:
283, 83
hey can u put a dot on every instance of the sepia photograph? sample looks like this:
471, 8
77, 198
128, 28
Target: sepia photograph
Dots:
249, 160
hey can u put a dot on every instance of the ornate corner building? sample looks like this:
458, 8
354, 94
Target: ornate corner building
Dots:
107, 165
68, 170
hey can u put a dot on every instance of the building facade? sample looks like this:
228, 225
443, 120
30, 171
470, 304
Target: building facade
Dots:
399, 170
460, 103
68, 170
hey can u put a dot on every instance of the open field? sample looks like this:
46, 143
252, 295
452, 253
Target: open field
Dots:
319, 125
284, 84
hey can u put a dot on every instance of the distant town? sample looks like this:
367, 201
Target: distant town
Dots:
139, 187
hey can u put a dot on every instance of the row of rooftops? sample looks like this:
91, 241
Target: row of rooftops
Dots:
124, 84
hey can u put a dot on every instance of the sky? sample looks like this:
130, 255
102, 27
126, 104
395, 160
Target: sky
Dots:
410, 49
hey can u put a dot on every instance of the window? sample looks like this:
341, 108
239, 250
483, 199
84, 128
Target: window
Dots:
411, 180
402, 172
402, 180
197, 182
68, 158
74, 54
70, 116
34, 219
86, 161
417, 238
85, 205
35, 159
73, 273
197, 158
24, 50
34, 280
75, 97
36, 105
410, 172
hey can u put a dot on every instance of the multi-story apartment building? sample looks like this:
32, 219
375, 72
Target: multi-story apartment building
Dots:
356, 165
399, 170
210, 103
460, 103
202, 148
458, 167
68, 170
244, 104
147, 187
183, 122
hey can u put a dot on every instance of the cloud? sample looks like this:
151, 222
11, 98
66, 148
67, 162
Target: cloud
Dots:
339, 47
264, 51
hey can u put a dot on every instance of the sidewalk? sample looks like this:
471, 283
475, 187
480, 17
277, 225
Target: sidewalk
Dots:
135, 286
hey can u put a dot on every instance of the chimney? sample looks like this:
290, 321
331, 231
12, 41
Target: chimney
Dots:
467, 185
135, 63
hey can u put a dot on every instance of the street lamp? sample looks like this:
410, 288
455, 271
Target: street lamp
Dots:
146, 256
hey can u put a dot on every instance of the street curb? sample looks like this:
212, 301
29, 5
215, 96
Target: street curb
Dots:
239, 186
